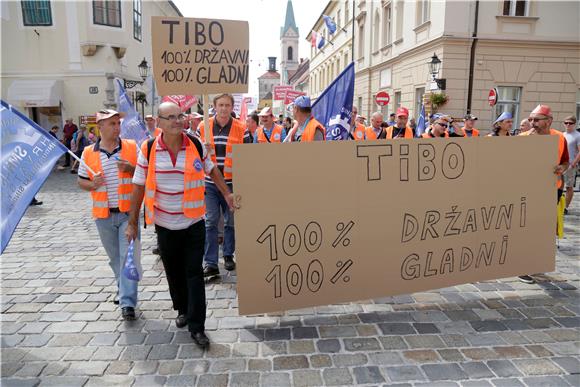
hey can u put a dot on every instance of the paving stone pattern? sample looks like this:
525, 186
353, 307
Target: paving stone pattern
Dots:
60, 328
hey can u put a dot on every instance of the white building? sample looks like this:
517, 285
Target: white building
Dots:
511, 45
60, 58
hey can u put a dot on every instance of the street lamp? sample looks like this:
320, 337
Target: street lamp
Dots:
143, 72
434, 65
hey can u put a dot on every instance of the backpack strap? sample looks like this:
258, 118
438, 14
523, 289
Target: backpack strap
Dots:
197, 144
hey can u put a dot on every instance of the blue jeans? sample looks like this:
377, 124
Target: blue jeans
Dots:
214, 203
112, 233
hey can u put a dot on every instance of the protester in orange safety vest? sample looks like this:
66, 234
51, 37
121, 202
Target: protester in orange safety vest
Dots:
376, 131
151, 127
468, 126
438, 127
307, 128
269, 131
171, 174
225, 132
358, 132
400, 129
541, 120
113, 162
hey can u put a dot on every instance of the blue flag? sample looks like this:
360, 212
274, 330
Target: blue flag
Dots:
421, 123
333, 108
132, 127
330, 24
321, 41
28, 155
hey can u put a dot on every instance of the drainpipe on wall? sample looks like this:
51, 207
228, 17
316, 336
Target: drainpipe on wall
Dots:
472, 58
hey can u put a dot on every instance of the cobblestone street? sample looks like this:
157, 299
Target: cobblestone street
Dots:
61, 328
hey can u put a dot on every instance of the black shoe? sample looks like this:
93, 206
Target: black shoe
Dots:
74, 172
116, 299
155, 251
180, 321
128, 313
526, 279
200, 339
565, 211
35, 202
229, 263
210, 271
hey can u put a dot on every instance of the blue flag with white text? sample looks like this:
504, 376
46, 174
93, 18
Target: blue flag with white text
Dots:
330, 24
27, 157
333, 108
421, 123
132, 127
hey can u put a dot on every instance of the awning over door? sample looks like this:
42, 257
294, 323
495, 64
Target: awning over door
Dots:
31, 93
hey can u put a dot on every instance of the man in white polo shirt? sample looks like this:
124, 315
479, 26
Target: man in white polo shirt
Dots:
171, 173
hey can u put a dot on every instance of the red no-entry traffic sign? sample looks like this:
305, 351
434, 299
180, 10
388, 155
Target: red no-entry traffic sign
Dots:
382, 98
492, 97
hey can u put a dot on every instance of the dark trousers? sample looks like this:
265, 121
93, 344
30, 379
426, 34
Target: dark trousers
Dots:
182, 256
67, 155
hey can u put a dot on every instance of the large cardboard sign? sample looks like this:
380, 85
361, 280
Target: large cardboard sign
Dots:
342, 221
200, 56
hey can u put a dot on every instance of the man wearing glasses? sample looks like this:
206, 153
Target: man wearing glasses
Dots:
573, 140
541, 120
171, 170
438, 127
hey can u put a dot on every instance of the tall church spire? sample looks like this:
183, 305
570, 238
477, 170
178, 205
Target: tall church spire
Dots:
289, 23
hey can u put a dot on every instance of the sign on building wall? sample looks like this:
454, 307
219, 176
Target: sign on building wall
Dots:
361, 220
200, 56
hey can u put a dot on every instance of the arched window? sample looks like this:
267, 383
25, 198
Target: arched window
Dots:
289, 53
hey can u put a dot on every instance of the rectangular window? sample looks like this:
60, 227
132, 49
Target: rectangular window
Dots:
107, 13
508, 100
419, 92
387, 24
397, 100
361, 40
360, 106
423, 10
338, 20
36, 13
346, 15
137, 19
399, 20
515, 7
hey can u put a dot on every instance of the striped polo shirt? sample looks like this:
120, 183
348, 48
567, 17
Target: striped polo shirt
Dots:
169, 171
110, 171
220, 139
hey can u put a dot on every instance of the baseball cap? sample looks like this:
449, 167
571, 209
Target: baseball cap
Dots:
148, 117
108, 113
543, 110
503, 116
470, 117
303, 101
402, 112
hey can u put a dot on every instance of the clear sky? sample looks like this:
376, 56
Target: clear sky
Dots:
265, 18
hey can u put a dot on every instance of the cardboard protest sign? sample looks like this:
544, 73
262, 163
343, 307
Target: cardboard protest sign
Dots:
347, 221
200, 56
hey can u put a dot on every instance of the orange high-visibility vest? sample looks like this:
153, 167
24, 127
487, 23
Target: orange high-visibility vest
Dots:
100, 199
310, 131
236, 136
561, 145
408, 132
157, 132
193, 182
474, 132
370, 133
275, 136
359, 132
428, 135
